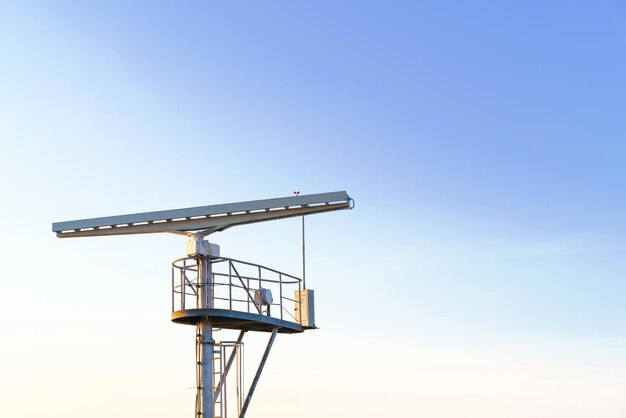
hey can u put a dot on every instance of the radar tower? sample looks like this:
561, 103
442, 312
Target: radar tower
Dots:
212, 292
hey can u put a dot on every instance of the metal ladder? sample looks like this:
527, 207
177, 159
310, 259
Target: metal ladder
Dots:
228, 362
219, 400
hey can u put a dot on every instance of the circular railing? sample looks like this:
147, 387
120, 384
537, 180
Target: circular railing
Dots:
237, 286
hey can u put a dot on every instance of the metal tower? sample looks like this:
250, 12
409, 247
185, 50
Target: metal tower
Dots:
214, 292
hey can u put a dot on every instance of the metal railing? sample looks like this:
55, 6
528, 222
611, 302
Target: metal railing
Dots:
236, 285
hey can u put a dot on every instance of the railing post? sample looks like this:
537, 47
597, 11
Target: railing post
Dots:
211, 276
183, 272
300, 301
230, 286
248, 299
280, 292
173, 288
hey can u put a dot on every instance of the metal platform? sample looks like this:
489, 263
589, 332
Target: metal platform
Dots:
232, 296
227, 319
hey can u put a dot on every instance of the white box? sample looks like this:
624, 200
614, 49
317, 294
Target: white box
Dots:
202, 247
306, 297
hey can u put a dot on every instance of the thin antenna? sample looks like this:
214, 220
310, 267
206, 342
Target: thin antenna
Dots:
303, 257
297, 193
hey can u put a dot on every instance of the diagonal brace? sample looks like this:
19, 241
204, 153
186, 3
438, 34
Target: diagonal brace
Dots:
218, 389
258, 307
258, 374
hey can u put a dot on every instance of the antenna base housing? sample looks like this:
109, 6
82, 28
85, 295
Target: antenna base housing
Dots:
199, 246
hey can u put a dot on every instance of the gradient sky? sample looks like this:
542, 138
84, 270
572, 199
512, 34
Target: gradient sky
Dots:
481, 274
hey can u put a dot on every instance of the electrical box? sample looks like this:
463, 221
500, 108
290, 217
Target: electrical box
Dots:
263, 297
202, 247
305, 310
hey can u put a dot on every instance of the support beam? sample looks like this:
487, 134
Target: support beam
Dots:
257, 376
218, 389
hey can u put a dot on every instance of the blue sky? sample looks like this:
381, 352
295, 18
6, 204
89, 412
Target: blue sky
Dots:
482, 142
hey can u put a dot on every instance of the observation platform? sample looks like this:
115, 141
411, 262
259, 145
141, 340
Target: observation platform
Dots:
232, 292
227, 319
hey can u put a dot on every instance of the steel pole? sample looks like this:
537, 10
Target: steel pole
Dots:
303, 257
208, 344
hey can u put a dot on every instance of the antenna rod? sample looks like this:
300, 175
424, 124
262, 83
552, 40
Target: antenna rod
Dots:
303, 257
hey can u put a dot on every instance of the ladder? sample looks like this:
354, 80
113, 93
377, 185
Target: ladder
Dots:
228, 362
219, 393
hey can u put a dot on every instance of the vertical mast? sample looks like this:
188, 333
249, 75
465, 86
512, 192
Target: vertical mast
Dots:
205, 340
